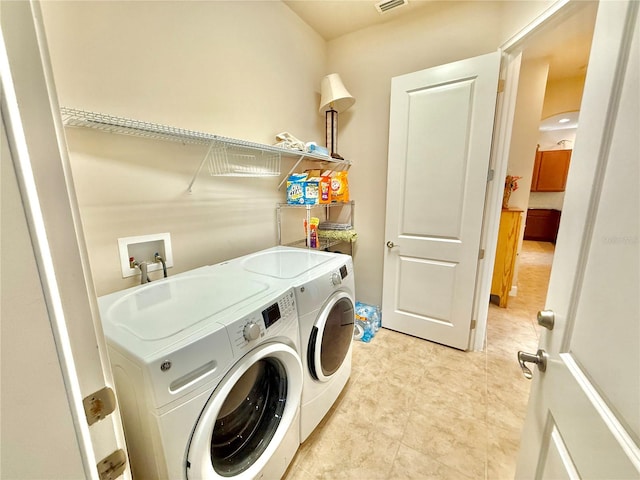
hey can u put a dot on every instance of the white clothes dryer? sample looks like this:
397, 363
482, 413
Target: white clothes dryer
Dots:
208, 375
324, 289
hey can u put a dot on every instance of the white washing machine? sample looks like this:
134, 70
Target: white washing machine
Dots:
208, 375
324, 289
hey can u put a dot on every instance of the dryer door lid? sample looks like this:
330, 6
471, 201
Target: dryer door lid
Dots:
331, 337
248, 415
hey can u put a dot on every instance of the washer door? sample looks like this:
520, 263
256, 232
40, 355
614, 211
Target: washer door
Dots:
247, 416
331, 337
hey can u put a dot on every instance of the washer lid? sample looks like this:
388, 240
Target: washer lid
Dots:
163, 308
285, 264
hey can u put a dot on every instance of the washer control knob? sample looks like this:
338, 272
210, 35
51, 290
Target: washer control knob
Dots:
336, 279
251, 331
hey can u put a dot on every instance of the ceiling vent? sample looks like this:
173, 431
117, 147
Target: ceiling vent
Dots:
386, 5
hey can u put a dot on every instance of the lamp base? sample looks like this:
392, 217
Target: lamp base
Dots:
331, 126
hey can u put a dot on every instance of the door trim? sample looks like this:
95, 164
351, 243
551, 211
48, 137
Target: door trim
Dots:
36, 139
511, 52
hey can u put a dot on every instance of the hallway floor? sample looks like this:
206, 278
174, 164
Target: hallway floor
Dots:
418, 410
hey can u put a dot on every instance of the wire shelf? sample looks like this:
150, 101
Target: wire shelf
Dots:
126, 126
323, 244
73, 117
226, 156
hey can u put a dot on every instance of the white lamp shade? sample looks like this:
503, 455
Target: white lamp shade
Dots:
334, 95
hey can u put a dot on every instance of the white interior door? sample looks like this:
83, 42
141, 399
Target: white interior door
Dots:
441, 125
51, 312
584, 411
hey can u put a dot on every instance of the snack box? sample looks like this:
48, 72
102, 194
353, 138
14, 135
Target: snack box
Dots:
316, 172
317, 190
305, 190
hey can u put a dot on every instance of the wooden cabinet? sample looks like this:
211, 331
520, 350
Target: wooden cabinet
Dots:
506, 253
550, 170
542, 225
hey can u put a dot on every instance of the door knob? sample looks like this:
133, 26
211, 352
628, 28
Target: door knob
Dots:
540, 359
390, 244
546, 319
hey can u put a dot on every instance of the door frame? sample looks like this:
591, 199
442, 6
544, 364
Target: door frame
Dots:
36, 139
553, 400
511, 52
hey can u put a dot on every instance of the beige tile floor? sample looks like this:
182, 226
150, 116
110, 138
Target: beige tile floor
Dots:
413, 409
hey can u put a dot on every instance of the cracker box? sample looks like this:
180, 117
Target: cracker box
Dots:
311, 191
317, 190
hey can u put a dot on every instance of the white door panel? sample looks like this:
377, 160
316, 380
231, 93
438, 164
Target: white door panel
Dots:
431, 292
558, 464
443, 137
441, 125
584, 416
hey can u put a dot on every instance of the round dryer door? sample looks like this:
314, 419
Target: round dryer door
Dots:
331, 337
247, 416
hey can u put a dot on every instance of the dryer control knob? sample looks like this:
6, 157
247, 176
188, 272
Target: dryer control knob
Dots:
251, 331
336, 279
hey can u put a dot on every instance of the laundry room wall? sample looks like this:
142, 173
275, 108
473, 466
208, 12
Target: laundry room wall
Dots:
367, 60
563, 95
246, 70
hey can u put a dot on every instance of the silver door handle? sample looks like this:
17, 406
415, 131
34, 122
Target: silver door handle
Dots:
546, 319
390, 244
540, 359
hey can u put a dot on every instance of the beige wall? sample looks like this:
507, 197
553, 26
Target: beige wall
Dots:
526, 123
563, 95
247, 70
241, 69
367, 60
524, 136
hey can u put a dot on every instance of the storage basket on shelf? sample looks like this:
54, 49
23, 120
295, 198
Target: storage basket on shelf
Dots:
231, 160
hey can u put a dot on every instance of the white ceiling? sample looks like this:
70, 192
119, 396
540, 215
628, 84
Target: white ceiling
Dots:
566, 46
334, 18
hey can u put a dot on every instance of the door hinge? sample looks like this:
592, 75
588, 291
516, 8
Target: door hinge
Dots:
111, 467
473, 324
481, 254
501, 85
99, 404
490, 174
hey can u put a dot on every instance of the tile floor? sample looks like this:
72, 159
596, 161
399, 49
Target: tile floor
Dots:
417, 410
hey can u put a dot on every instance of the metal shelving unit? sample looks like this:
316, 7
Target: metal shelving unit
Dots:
225, 156
323, 243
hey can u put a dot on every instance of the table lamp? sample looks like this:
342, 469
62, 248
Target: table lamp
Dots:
334, 98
